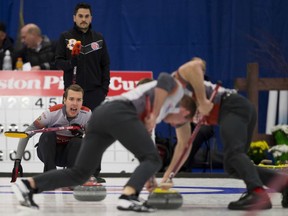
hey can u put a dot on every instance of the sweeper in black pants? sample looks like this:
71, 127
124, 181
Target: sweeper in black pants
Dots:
236, 117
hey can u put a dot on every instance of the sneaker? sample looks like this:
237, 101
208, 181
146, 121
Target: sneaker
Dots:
252, 201
284, 201
132, 203
24, 195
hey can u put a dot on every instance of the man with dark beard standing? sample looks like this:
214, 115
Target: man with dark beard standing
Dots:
90, 67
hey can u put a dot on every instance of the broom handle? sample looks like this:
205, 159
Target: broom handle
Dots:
24, 134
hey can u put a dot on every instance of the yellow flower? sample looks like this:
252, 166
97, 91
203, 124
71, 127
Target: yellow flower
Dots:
259, 145
257, 151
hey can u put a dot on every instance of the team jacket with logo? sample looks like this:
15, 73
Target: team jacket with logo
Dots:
93, 63
138, 96
55, 116
212, 119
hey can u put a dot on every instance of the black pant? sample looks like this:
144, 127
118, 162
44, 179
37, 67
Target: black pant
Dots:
52, 154
237, 121
94, 98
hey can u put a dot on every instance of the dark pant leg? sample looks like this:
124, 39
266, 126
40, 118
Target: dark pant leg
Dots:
71, 151
46, 150
120, 121
87, 161
237, 120
60, 156
133, 135
139, 142
94, 98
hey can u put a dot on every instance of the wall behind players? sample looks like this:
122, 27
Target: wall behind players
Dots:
160, 35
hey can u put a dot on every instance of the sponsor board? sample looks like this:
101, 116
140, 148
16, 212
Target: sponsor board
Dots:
50, 83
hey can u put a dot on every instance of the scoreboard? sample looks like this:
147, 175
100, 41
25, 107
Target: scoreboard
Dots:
25, 95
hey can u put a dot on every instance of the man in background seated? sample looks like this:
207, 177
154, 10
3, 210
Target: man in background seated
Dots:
38, 49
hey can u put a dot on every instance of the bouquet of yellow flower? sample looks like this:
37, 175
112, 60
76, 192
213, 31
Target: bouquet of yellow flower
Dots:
258, 151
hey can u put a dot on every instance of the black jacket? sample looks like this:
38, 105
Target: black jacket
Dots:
93, 63
43, 57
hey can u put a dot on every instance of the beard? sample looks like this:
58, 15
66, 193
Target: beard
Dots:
83, 27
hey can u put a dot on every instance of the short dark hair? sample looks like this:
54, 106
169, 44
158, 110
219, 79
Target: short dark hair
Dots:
82, 5
189, 103
73, 87
2, 27
144, 80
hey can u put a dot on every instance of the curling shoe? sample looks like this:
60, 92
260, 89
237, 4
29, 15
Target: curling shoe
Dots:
132, 203
249, 201
284, 201
24, 194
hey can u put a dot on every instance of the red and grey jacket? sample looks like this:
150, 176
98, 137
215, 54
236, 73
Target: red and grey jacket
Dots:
138, 97
55, 116
212, 119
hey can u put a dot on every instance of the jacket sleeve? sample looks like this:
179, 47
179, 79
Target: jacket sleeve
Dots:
48, 53
166, 82
105, 66
61, 60
41, 122
23, 143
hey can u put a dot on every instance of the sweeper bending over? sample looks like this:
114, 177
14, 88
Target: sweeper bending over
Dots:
236, 118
